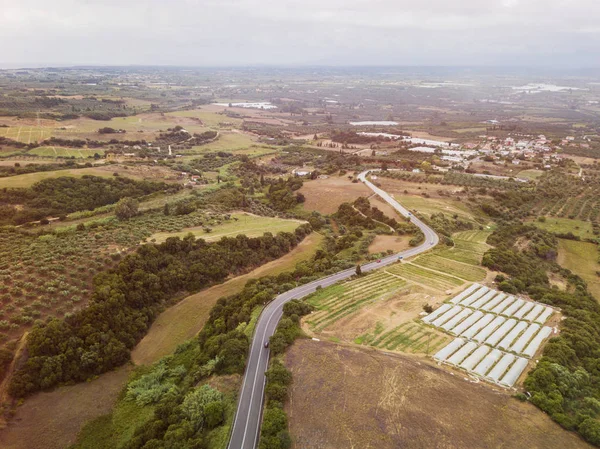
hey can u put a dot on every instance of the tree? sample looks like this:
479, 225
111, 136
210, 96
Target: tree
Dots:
358, 270
126, 208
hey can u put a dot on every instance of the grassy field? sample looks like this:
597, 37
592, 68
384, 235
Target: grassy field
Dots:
372, 400
531, 174
66, 152
26, 134
242, 223
469, 247
31, 178
407, 337
459, 269
426, 277
582, 259
232, 142
563, 225
208, 118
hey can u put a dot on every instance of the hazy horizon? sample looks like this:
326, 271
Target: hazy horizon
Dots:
192, 33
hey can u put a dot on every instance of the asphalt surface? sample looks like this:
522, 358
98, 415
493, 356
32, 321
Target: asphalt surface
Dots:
248, 417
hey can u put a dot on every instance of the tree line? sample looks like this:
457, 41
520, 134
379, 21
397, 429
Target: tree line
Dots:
60, 196
126, 300
566, 381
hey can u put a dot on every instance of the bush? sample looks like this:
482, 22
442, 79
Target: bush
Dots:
126, 208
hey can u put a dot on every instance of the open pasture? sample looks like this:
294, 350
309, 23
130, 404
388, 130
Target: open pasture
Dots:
560, 225
582, 259
78, 153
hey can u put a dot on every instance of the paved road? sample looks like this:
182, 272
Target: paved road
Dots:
249, 412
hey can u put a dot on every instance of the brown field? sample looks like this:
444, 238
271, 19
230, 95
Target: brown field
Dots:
368, 399
52, 420
184, 320
396, 243
401, 307
325, 195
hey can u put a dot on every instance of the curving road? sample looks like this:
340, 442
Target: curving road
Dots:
247, 421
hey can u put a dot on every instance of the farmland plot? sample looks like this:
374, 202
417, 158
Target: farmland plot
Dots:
340, 300
495, 333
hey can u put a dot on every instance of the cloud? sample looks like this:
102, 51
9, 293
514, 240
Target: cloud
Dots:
338, 32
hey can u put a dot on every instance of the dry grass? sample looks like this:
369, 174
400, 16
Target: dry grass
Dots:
394, 242
325, 195
52, 420
367, 399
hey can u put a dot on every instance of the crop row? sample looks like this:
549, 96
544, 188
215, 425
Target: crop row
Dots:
430, 278
459, 269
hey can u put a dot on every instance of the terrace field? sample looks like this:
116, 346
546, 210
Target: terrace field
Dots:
374, 400
240, 223
582, 259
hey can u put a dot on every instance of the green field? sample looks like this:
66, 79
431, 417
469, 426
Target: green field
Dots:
26, 134
227, 141
425, 277
462, 270
558, 225
250, 225
582, 259
208, 118
408, 337
532, 174
428, 206
66, 152
468, 247
31, 178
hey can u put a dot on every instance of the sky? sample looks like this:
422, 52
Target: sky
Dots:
534, 33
